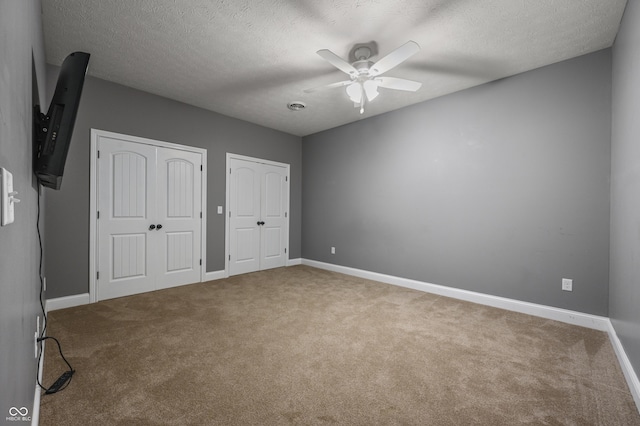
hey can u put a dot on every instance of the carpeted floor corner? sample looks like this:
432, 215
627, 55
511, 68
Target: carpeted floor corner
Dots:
305, 346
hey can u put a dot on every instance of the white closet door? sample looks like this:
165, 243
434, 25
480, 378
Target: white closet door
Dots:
178, 217
273, 214
244, 210
126, 200
149, 226
258, 223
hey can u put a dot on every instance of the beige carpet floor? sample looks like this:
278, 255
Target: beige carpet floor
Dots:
306, 346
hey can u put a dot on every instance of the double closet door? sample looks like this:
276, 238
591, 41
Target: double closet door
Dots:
149, 217
258, 206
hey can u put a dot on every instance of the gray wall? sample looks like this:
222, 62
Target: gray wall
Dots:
116, 108
501, 189
624, 284
20, 38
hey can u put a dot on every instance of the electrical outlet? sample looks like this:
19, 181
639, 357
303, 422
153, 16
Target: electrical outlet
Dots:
333, 250
567, 284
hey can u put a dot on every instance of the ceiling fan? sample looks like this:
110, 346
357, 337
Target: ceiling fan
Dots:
365, 76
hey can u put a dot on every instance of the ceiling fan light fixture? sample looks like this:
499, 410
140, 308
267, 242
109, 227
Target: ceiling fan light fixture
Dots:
371, 89
354, 90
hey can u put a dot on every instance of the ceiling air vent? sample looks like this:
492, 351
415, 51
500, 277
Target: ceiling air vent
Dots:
296, 106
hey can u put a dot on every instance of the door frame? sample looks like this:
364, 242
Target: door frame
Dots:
96, 134
227, 223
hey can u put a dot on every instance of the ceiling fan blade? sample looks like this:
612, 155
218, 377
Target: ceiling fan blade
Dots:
337, 61
328, 86
394, 58
398, 83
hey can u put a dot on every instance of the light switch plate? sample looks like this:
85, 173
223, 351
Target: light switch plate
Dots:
6, 197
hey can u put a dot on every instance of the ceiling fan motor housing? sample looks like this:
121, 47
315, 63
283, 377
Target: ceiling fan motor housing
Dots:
363, 67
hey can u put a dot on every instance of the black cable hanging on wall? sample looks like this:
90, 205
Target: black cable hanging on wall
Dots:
65, 379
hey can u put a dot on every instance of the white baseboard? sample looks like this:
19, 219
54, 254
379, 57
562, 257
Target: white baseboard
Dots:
572, 317
214, 275
564, 315
68, 302
625, 365
218, 275
35, 412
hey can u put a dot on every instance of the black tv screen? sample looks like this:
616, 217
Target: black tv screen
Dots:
54, 130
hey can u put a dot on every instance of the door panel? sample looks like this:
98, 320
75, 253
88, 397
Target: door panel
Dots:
180, 177
129, 185
247, 193
272, 246
179, 251
246, 239
273, 194
129, 254
126, 187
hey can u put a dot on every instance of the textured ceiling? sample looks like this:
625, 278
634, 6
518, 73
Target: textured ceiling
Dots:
249, 58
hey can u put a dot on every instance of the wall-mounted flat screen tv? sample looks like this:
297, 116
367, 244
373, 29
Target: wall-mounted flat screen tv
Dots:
55, 128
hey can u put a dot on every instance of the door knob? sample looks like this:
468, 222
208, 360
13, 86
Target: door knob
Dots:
260, 223
152, 227
159, 227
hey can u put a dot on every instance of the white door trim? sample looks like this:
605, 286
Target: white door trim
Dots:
228, 203
93, 199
